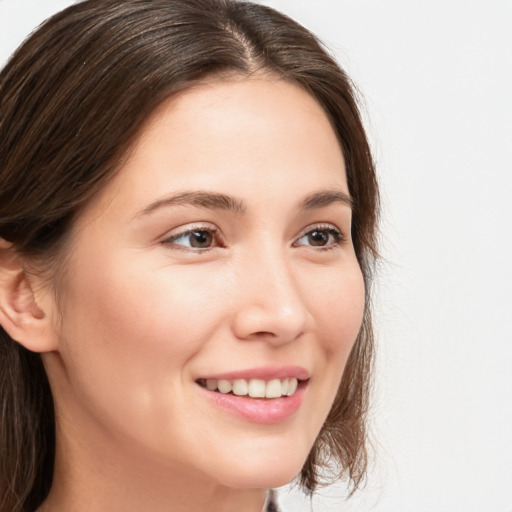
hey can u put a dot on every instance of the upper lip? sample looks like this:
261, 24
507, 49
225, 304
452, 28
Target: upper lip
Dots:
262, 372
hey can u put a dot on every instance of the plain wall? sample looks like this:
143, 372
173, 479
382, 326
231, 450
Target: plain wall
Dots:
437, 82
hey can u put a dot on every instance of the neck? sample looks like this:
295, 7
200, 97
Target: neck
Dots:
61, 500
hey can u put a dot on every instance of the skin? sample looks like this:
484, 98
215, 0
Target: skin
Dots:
142, 315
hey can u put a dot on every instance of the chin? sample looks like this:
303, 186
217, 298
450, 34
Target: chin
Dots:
258, 459
266, 475
261, 481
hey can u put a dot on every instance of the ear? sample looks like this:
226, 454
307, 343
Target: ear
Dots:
22, 314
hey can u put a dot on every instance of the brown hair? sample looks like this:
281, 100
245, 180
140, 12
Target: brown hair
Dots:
72, 100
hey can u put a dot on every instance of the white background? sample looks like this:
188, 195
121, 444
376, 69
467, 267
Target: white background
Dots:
437, 81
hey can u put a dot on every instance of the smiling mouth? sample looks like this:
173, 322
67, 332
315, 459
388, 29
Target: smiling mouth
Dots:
254, 388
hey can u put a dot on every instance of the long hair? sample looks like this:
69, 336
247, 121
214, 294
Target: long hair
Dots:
72, 100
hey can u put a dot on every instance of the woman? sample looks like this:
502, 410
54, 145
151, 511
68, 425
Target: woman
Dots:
188, 213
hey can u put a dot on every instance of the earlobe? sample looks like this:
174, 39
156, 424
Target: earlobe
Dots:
21, 316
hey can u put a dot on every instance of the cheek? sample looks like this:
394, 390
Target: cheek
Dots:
145, 320
126, 342
336, 304
338, 308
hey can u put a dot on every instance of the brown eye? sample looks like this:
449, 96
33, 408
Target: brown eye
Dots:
200, 239
193, 239
321, 237
318, 238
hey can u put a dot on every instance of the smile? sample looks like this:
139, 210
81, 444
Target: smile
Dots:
254, 388
258, 400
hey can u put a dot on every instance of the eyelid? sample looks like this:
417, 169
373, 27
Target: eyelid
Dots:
188, 228
214, 230
323, 226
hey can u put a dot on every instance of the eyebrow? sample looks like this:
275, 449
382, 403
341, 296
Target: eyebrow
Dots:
325, 198
218, 201
210, 200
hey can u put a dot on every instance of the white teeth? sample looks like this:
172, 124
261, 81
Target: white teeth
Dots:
224, 386
211, 384
292, 387
273, 389
255, 388
284, 387
240, 387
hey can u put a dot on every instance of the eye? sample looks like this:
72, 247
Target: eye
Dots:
196, 238
321, 236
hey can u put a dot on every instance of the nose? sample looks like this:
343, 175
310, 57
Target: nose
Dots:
270, 306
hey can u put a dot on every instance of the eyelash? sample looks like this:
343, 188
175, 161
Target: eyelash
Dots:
335, 233
194, 229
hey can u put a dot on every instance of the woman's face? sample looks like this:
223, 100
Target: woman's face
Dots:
218, 257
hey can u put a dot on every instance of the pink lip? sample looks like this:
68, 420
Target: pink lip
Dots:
264, 373
259, 410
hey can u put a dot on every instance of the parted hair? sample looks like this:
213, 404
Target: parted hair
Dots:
73, 99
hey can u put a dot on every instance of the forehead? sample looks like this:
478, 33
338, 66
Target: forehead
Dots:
231, 135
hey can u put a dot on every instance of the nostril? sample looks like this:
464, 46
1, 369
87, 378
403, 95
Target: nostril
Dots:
263, 333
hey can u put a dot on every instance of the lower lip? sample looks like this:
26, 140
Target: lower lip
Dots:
259, 410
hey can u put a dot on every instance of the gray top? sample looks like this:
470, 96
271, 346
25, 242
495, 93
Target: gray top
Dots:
271, 502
